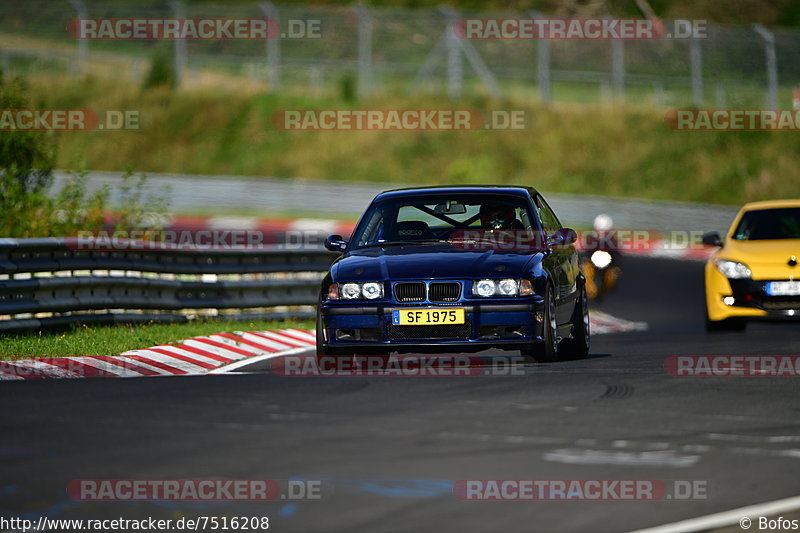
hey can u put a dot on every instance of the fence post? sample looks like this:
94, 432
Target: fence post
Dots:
543, 65
618, 68
772, 65
455, 68
696, 65
273, 46
364, 50
82, 13
179, 11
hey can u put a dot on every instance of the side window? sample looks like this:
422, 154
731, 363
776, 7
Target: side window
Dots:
549, 220
374, 230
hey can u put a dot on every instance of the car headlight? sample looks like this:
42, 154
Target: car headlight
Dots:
351, 291
486, 288
372, 290
508, 287
601, 258
732, 269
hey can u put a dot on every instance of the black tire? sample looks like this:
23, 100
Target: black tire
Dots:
577, 347
546, 351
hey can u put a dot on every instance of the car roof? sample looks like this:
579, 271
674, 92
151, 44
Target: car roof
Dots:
771, 204
515, 190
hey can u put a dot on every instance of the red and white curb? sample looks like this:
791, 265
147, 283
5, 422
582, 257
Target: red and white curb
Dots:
265, 224
218, 353
601, 323
198, 355
668, 250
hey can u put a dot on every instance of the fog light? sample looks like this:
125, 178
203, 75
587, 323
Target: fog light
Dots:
728, 300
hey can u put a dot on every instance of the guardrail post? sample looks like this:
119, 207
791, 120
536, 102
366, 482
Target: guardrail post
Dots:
696, 65
772, 65
618, 68
365, 26
543, 65
179, 11
79, 67
455, 68
273, 46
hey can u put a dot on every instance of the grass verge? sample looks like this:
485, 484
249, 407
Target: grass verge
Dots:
613, 150
112, 340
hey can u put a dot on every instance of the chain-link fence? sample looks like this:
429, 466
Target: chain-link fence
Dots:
352, 49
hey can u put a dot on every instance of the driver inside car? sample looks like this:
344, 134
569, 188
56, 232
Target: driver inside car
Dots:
499, 217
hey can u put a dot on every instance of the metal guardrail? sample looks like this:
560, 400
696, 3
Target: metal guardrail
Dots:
55, 282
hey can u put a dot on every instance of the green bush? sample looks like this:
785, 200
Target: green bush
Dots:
28, 205
162, 71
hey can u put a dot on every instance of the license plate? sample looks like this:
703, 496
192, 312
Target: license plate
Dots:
427, 317
783, 288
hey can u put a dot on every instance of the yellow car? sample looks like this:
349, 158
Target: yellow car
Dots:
755, 272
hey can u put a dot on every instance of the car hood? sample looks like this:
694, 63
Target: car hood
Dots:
767, 259
426, 262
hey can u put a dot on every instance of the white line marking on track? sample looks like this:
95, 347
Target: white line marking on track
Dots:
603, 457
726, 518
255, 359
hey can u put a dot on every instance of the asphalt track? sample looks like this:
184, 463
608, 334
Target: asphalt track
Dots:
387, 450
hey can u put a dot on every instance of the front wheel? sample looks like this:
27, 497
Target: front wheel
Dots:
577, 347
546, 351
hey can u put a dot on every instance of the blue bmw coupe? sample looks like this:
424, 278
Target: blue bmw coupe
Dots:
455, 269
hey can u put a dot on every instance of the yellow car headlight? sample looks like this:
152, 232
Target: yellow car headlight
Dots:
732, 269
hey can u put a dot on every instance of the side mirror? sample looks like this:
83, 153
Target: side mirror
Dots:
712, 238
562, 237
570, 236
335, 243
555, 239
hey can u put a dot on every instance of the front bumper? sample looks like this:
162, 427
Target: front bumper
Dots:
750, 299
494, 323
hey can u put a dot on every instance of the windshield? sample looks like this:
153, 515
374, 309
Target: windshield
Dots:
436, 219
766, 224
